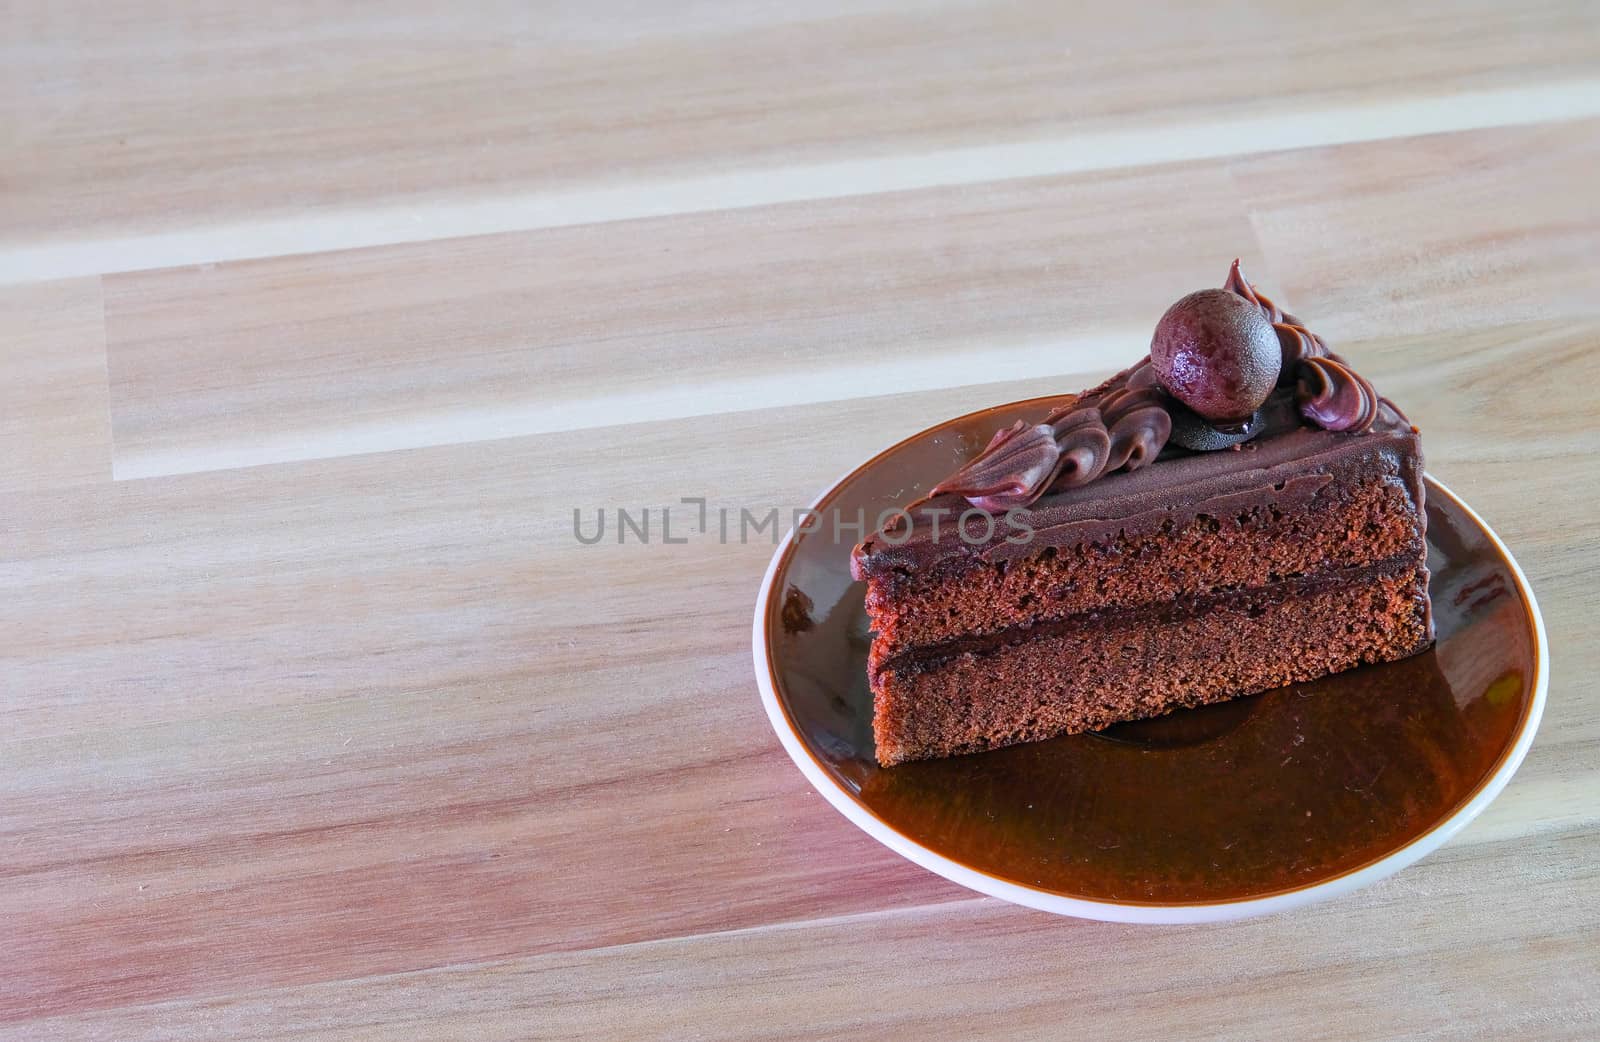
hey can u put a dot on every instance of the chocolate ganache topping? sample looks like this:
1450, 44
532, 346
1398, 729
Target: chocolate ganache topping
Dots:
1019, 463
1121, 425
1335, 397
1128, 421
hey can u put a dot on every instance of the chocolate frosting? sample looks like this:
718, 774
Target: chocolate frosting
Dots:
1121, 425
1139, 424
1014, 470
1334, 397
1127, 422
1290, 463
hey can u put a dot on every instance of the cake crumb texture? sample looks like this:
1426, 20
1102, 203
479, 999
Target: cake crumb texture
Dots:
1105, 672
1255, 546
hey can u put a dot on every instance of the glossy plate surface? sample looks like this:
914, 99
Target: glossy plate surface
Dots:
1248, 807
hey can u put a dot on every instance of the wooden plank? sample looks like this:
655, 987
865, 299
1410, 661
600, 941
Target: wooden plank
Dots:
55, 423
1436, 234
1395, 962
293, 128
272, 360
457, 341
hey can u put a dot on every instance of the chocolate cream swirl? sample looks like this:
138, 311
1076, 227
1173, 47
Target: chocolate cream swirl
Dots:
1013, 471
1139, 424
1121, 425
1335, 397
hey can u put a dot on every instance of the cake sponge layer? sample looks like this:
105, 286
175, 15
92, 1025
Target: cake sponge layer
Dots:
1264, 543
1089, 672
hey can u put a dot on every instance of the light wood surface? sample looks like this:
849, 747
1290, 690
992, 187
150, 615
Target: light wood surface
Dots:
317, 321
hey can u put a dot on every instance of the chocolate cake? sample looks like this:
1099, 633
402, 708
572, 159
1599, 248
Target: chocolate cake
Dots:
1238, 511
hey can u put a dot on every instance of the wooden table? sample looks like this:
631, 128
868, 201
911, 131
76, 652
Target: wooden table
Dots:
317, 722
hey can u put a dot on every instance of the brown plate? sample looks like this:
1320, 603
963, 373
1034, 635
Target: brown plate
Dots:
1243, 808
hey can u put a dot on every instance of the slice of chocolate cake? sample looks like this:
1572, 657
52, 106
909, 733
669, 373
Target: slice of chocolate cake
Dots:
1237, 512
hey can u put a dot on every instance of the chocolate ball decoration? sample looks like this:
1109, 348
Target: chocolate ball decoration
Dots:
1216, 352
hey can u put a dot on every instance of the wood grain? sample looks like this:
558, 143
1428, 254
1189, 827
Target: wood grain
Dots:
523, 333
163, 134
1447, 233
1382, 964
317, 722
55, 414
